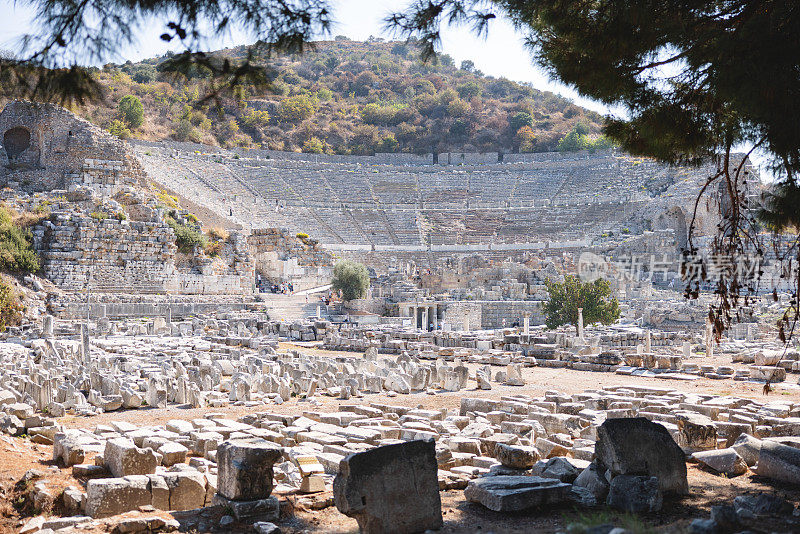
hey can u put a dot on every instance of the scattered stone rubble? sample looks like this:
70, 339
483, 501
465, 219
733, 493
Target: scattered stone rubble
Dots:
621, 446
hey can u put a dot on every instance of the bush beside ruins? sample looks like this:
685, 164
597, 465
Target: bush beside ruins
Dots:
16, 251
186, 237
594, 299
351, 279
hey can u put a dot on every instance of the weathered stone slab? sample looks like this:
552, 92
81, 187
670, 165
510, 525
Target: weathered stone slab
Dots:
516, 456
123, 457
268, 509
723, 461
749, 448
245, 468
697, 432
111, 496
635, 494
393, 488
778, 461
516, 493
636, 446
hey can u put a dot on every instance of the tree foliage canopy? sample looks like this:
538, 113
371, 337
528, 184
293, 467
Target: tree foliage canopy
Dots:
695, 77
132, 111
71, 34
351, 279
567, 296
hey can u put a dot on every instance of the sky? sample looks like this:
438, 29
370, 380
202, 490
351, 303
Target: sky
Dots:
501, 53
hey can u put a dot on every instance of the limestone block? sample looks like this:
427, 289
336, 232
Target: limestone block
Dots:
516, 493
159, 491
749, 448
778, 461
245, 468
723, 461
635, 494
697, 432
516, 456
112, 496
172, 453
187, 489
393, 488
638, 446
122, 457
593, 481
264, 509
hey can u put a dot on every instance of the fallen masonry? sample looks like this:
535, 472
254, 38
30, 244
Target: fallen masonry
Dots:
387, 463
225, 386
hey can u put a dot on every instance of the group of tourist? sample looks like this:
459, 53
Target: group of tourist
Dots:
285, 288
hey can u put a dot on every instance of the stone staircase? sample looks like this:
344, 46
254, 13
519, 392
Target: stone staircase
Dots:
292, 308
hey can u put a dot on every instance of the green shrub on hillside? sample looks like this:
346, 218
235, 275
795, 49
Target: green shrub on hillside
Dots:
10, 307
186, 237
131, 110
117, 128
16, 250
295, 109
314, 146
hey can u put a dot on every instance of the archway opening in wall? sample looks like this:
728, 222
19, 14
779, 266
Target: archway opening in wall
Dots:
16, 141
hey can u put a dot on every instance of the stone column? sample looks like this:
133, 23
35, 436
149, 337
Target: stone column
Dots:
466, 323
648, 342
687, 350
709, 340
169, 315
47, 326
425, 326
580, 323
85, 341
416, 319
435, 318
749, 334
526, 324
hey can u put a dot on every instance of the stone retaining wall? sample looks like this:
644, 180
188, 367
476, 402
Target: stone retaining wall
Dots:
115, 255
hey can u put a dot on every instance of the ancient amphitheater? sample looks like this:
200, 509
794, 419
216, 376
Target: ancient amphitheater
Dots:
461, 202
153, 386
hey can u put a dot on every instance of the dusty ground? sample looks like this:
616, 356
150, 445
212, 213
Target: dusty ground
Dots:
18, 455
539, 380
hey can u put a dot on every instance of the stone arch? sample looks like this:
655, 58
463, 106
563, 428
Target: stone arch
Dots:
16, 141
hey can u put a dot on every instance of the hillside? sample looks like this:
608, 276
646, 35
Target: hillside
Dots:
347, 97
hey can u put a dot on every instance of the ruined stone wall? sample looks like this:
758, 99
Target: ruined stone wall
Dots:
455, 314
280, 256
111, 256
108, 255
467, 158
46, 147
494, 312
